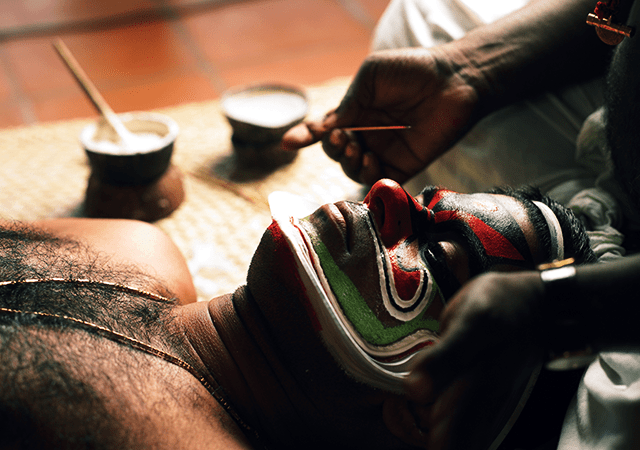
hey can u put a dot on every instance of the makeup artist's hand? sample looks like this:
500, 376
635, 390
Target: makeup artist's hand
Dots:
490, 344
421, 88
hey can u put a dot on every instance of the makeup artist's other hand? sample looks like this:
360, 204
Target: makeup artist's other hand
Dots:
430, 90
489, 348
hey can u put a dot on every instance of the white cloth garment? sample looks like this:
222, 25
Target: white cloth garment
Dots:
549, 142
605, 412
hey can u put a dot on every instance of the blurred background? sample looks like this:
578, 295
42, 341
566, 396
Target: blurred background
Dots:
146, 54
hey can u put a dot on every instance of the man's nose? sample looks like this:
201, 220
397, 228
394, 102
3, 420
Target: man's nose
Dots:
391, 208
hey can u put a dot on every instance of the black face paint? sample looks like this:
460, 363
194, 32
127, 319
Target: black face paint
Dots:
489, 230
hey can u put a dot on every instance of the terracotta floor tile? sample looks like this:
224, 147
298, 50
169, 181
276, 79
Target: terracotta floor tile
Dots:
64, 106
184, 2
132, 54
22, 13
164, 63
36, 66
152, 94
266, 30
202, 4
161, 92
10, 115
305, 70
6, 88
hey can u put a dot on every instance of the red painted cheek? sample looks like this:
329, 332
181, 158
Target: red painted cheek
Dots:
407, 283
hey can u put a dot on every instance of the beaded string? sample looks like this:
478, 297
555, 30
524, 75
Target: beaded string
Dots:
123, 339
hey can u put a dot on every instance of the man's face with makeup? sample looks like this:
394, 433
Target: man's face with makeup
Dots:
374, 277
385, 267
401, 257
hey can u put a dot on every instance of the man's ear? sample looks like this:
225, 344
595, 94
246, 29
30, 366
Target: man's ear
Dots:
406, 420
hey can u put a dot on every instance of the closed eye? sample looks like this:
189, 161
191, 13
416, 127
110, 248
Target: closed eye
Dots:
434, 255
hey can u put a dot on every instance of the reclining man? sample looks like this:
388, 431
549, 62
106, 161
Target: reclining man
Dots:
103, 346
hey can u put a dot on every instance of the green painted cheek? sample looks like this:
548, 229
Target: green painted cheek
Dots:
358, 312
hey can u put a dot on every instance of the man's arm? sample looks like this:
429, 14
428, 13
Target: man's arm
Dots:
130, 242
608, 293
545, 44
623, 112
443, 91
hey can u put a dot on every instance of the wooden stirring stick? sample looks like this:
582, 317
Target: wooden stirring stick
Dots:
389, 127
128, 138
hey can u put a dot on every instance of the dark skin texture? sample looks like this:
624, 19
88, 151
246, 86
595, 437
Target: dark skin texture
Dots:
515, 305
436, 101
422, 421
291, 400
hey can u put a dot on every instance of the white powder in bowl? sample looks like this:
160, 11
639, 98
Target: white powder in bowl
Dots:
144, 143
265, 108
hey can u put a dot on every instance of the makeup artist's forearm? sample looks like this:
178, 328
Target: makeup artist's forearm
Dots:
545, 44
611, 292
618, 278
623, 112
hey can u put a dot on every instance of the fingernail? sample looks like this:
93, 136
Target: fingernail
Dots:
350, 151
335, 137
328, 122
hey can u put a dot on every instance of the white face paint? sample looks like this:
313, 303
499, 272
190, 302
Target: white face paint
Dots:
372, 327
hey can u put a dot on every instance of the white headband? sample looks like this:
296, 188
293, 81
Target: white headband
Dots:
557, 241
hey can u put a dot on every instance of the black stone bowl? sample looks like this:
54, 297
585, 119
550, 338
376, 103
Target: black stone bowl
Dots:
261, 114
137, 167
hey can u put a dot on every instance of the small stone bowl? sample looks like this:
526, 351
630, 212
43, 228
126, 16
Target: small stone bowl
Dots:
261, 114
136, 167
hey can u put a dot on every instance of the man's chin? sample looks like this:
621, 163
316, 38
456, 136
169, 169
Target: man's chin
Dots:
275, 284
274, 281
339, 402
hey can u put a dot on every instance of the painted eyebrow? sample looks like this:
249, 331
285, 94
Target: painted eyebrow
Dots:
478, 259
476, 253
428, 192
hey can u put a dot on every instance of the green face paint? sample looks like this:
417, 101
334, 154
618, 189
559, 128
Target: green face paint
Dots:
358, 312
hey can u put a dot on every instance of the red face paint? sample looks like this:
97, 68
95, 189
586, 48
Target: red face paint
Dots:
392, 209
486, 219
340, 260
284, 258
407, 282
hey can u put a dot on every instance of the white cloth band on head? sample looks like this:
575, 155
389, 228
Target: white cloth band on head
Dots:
557, 240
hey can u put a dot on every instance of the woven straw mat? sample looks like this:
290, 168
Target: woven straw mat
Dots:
44, 174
